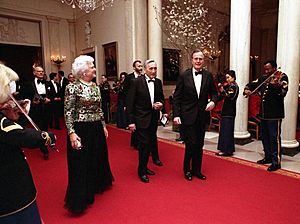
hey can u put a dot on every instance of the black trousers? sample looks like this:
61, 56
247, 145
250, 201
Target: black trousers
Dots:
271, 139
147, 142
194, 141
40, 115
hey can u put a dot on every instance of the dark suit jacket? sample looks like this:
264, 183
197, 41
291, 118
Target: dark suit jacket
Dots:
63, 85
38, 112
186, 104
138, 102
127, 82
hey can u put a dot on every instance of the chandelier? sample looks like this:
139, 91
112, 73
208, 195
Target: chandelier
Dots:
88, 5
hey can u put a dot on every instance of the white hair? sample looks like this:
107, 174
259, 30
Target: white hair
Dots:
81, 65
148, 62
7, 75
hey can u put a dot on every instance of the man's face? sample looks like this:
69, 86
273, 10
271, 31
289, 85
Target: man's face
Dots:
151, 70
56, 78
71, 78
38, 72
103, 79
198, 60
138, 67
269, 70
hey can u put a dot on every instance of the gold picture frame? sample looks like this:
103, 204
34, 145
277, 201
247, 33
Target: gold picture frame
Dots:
110, 60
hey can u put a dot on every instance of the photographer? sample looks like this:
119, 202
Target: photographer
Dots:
38, 92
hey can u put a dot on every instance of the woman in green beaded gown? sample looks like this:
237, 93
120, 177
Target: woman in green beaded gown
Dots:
87, 155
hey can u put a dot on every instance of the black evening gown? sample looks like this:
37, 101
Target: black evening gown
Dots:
88, 169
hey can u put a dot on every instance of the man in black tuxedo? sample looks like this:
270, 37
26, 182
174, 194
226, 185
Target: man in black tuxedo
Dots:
63, 82
38, 92
144, 101
137, 71
191, 101
56, 100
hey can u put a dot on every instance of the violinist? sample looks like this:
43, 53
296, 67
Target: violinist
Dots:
18, 193
229, 91
272, 87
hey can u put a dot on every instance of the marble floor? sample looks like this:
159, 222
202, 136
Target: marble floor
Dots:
250, 152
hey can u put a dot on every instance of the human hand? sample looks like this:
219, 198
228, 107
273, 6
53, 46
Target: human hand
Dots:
75, 141
157, 106
177, 120
132, 127
105, 132
210, 106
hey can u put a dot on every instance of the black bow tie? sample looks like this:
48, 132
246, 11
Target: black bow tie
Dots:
198, 73
40, 81
151, 80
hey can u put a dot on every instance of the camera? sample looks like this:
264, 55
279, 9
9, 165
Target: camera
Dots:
39, 98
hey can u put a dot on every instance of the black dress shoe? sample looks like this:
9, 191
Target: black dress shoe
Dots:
273, 167
179, 139
158, 162
188, 176
223, 154
150, 172
200, 176
144, 178
264, 161
46, 156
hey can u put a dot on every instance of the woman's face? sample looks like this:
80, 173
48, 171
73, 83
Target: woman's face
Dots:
229, 78
90, 74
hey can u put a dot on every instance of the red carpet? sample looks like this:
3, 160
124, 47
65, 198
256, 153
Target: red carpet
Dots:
236, 191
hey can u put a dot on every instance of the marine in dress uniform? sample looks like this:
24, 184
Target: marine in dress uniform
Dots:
18, 193
273, 88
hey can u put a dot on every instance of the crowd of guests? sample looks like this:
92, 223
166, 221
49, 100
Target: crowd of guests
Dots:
85, 106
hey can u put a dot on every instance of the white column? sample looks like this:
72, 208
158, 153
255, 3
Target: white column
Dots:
136, 38
155, 36
288, 54
240, 21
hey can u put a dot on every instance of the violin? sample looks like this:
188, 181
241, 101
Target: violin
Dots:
274, 79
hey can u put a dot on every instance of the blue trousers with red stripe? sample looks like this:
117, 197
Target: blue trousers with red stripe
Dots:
271, 140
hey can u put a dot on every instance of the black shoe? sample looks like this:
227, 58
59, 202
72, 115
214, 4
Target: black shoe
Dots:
264, 161
179, 139
150, 172
188, 176
200, 176
273, 167
46, 156
144, 178
223, 154
157, 162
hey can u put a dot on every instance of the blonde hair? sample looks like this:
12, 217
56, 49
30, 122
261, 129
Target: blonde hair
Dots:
7, 75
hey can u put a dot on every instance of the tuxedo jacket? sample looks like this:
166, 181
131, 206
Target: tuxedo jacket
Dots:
52, 93
138, 101
38, 112
186, 103
63, 85
29, 91
127, 82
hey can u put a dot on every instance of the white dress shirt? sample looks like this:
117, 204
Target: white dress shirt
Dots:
40, 87
150, 88
197, 81
55, 86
